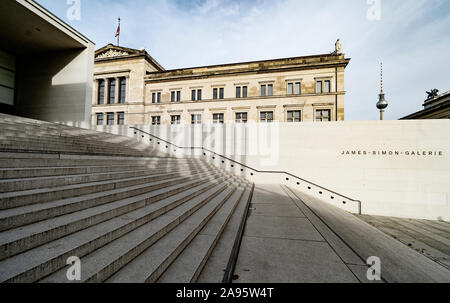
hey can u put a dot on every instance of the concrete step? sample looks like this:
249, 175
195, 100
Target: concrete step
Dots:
18, 145
22, 184
151, 264
189, 264
27, 131
14, 126
213, 270
62, 156
16, 217
6, 117
28, 160
29, 197
15, 241
42, 261
34, 172
123, 250
58, 141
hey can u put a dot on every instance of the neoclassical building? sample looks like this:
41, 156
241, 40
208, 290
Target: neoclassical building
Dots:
436, 106
133, 88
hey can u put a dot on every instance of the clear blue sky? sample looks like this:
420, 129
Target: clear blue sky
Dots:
411, 37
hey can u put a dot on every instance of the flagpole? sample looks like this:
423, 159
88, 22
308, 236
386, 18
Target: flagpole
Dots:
118, 36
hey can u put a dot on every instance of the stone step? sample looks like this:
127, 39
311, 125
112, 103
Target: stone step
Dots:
16, 217
45, 260
151, 264
34, 172
22, 184
29, 197
118, 253
17, 126
15, 241
58, 141
214, 269
96, 142
18, 145
18, 160
26, 130
189, 264
20, 129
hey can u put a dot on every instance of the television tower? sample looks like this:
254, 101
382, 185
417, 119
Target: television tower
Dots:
382, 103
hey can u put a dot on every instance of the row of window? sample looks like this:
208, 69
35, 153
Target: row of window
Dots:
266, 90
218, 118
265, 117
111, 118
111, 97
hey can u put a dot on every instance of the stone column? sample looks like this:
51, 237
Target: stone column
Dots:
105, 101
116, 99
127, 89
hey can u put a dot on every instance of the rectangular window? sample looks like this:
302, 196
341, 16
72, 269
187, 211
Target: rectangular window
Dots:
241, 117
215, 93
101, 92
175, 119
156, 97
196, 119
327, 86
318, 87
263, 90
110, 119
156, 120
193, 95
199, 95
323, 115
266, 117
221, 93
175, 96
122, 90
294, 116
294, 88
99, 119
241, 92
218, 118
120, 118
290, 90
270, 89
112, 91
298, 88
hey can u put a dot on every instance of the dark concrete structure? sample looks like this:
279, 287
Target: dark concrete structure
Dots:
46, 66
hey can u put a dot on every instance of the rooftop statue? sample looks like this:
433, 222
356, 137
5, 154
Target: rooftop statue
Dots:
432, 94
338, 45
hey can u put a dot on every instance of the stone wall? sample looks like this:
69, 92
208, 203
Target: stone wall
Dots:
395, 168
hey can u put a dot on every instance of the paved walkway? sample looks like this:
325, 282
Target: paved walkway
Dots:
285, 242
291, 237
430, 238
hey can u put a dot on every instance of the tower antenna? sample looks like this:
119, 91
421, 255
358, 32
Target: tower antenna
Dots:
382, 103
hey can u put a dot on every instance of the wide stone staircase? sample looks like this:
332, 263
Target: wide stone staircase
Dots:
128, 212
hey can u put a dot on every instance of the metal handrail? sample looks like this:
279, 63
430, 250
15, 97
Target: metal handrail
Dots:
248, 167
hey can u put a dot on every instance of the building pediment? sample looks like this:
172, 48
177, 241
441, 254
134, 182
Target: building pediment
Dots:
111, 53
